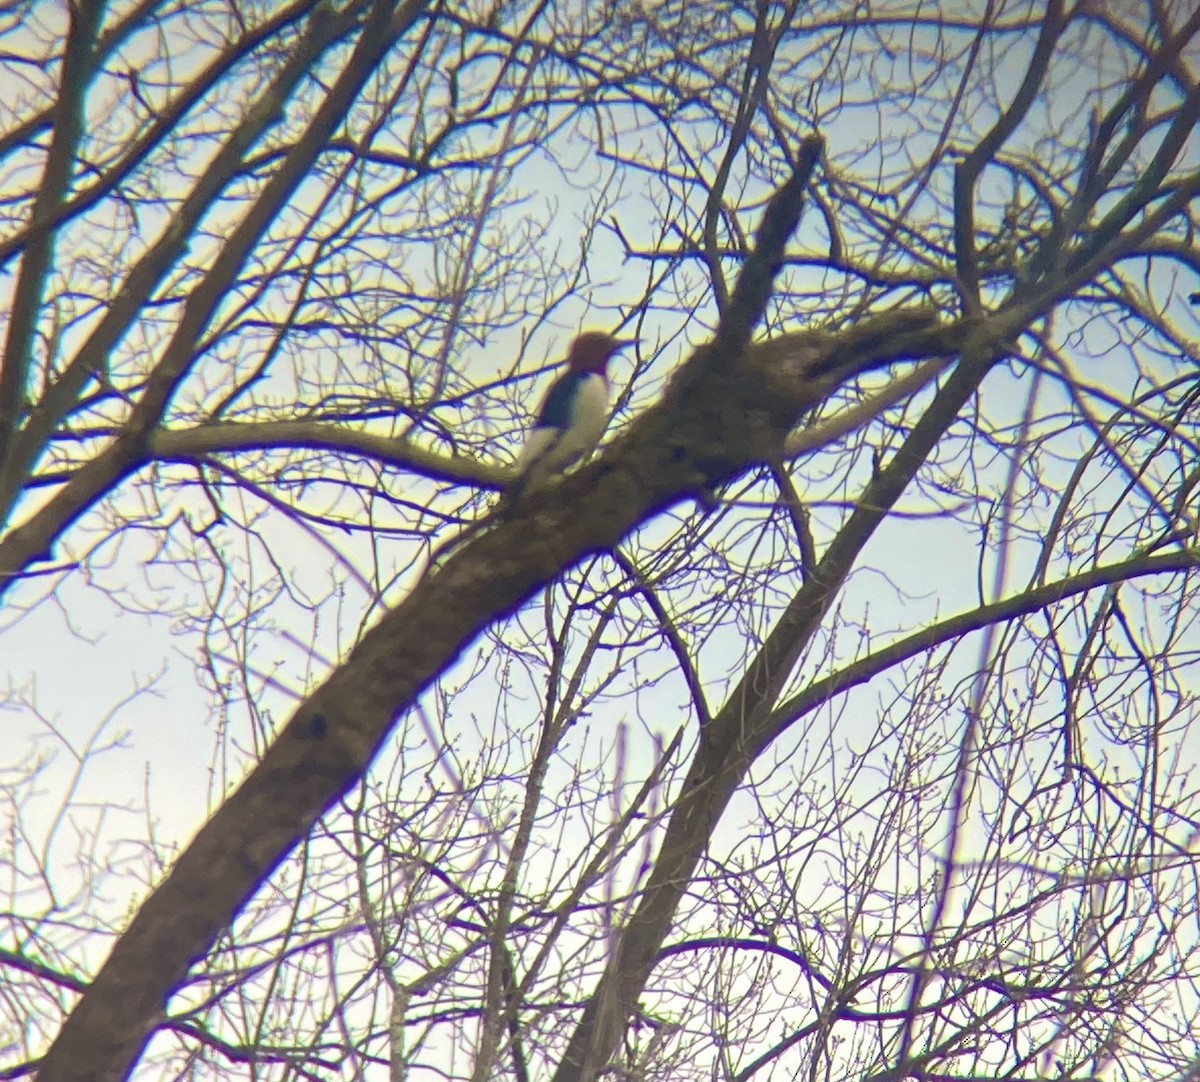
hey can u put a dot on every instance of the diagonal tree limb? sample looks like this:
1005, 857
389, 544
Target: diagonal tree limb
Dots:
129, 449
954, 627
967, 173
105, 1034
670, 634
815, 436
734, 738
62, 394
163, 122
78, 67
755, 82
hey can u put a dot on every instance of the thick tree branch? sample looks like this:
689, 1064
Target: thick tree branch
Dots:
110, 1025
195, 444
78, 66
812, 437
1011, 608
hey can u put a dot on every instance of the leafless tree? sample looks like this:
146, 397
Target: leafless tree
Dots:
836, 720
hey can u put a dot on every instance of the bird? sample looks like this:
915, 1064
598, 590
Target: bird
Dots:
572, 416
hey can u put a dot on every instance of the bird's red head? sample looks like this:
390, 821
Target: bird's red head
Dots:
592, 351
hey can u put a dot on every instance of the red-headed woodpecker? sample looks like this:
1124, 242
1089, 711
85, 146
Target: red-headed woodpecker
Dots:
572, 416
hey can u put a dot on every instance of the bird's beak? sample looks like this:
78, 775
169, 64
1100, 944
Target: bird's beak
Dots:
622, 343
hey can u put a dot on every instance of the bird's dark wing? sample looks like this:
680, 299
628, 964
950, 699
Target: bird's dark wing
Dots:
556, 408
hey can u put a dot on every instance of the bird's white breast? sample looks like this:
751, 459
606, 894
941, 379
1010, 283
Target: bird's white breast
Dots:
589, 414
550, 450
